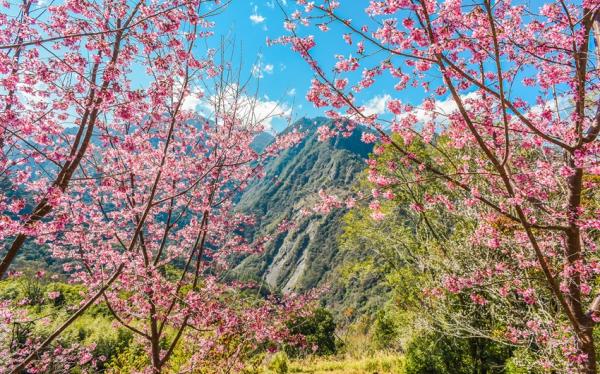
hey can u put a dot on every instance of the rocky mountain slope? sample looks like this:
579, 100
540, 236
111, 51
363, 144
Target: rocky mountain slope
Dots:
304, 256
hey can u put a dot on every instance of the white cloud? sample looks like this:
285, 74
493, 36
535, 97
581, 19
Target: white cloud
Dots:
271, 3
256, 71
268, 110
191, 102
251, 109
256, 18
291, 92
192, 98
443, 108
259, 69
563, 105
376, 105
30, 100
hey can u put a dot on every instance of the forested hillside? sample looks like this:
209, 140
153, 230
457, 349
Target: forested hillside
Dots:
308, 255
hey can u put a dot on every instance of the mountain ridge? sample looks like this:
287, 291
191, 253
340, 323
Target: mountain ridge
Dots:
303, 257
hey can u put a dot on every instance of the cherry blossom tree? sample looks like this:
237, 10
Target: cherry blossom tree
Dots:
513, 88
70, 71
105, 161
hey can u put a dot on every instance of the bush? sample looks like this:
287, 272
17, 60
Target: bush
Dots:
110, 346
131, 359
443, 354
279, 363
385, 331
33, 290
318, 330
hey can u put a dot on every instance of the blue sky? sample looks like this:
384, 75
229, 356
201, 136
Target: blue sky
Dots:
283, 75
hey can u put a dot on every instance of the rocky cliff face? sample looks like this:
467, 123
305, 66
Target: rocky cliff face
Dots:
303, 256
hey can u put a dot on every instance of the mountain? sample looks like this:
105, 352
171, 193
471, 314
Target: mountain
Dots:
261, 141
307, 255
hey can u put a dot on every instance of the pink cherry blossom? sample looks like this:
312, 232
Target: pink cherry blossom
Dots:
493, 93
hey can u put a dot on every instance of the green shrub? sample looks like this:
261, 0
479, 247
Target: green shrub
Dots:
69, 294
385, 331
110, 346
436, 353
279, 363
318, 330
131, 359
33, 290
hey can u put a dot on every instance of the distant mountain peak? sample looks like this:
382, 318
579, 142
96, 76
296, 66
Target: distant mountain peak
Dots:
302, 257
261, 141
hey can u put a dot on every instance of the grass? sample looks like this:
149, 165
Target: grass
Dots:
379, 363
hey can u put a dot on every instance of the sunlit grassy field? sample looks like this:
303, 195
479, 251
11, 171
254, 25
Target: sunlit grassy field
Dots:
380, 363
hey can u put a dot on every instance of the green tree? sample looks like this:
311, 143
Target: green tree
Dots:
414, 250
318, 330
436, 353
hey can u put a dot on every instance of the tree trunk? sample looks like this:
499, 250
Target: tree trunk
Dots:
588, 347
573, 256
